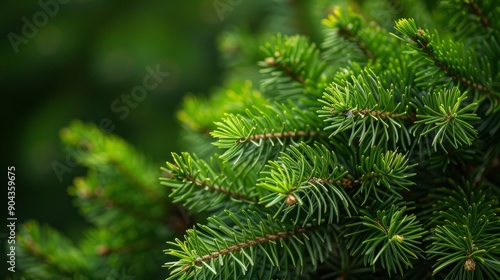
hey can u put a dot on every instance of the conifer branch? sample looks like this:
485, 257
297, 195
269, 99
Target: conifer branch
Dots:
346, 33
422, 40
280, 135
239, 243
271, 61
449, 63
214, 185
306, 181
384, 233
466, 236
442, 114
204, 185
478, 12
274, 237
291, 69
97, 195
349, 40
266, 131
371, 112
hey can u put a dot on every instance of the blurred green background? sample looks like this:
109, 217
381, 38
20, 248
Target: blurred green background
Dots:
76, 62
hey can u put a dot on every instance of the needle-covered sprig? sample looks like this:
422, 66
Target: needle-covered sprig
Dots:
248, 245
466, 237
213, 185
308, 184
386, 236
369, 112
446, 118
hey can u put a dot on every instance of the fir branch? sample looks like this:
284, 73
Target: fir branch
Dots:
215, 185
248, 243
458, 246
466, 235
386, 235
443, 115
263, 132
341, 33
307, 182
478, 12
292, 69
371, 112
450, 63
348, 40
389, 170
45, 253
240, 243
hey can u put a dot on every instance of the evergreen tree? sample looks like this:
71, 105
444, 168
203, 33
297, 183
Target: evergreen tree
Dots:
370, 153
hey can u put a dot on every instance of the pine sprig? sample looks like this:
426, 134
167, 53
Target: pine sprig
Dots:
386, 237
231, 246
447, 58
199, 114
263, 132
467, 236
368, 110
42, 250
349, 40
292, 69
306, 179
209, 186
383, 175
474, 19
444, 116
